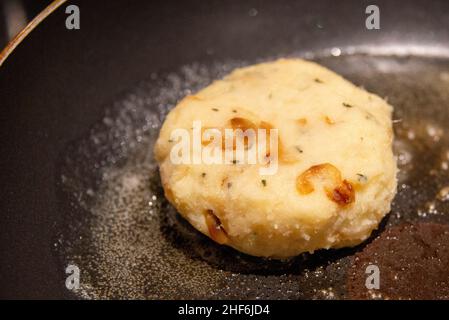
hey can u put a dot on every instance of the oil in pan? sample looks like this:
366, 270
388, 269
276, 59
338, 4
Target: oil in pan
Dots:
130, 243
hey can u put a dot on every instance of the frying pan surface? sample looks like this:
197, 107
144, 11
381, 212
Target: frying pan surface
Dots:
80, 110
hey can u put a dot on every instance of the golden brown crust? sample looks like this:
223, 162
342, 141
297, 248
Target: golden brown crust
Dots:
215, 228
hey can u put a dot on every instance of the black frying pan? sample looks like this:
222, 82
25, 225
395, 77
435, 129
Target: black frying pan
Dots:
80, 109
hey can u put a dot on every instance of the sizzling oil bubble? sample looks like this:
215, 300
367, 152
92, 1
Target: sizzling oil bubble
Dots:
130, 243
404, 154
443, 194
129, 246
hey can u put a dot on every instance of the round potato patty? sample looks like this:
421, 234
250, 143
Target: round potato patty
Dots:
336, 173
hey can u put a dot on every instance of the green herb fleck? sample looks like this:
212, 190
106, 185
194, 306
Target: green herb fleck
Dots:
318, 80
264, 182
234, 161
362, 178
299, 149
235, 111
215, 109
347, 105
203, 174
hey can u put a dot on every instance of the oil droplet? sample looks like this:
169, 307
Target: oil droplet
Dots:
411, 135
253, 12
336, 52
443, 195
404, 158
431, 209
434, 132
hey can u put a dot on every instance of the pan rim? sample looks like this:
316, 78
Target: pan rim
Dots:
14, 42
437, 51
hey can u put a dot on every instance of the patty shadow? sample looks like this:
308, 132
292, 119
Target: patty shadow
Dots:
182, 236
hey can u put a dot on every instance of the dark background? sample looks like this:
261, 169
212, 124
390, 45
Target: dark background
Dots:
12, 13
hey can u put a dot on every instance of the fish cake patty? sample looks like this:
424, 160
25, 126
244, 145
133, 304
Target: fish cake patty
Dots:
336, 173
